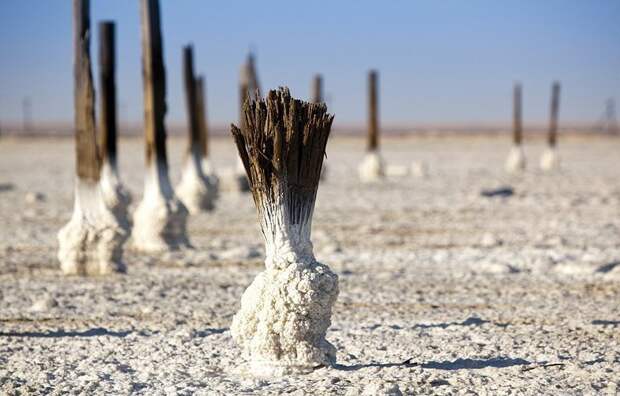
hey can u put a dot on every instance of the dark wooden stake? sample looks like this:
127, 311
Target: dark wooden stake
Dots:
317, 89
517, 131
190, 100
87, 155
107, 83
244, 93
254, 85
201, 112
26, 115
373, 116
154, 80
555, 109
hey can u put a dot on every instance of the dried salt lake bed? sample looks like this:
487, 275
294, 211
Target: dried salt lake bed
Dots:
441, 290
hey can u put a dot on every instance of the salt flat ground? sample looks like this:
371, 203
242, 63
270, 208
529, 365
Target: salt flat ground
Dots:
441, 290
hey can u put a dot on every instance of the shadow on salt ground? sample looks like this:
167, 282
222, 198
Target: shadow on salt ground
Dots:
208, 332
6, 187
471, 321
606, 322
608, 267
458, 364
98, 331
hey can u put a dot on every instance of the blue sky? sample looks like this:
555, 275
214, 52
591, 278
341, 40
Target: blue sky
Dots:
439, 61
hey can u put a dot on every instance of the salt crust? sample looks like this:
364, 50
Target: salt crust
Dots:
92, 242
516, 160
159, 222
372, 168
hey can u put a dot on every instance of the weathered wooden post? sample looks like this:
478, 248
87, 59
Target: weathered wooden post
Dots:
244, 91
91, 243
317, 97
203, 129
160, 218
372, 167
550, 159
194, 190
317, 89
26, 115
236, 180
201, 110
253, 84
115, 195
287, 309
516, 157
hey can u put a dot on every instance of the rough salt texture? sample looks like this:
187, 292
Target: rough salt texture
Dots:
283, 319
372, 168
419, 169
550, 160
115, 195
442, 291
195, 190
92, 242
159, 221
516, 160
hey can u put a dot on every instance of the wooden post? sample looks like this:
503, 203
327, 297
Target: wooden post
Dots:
87, 155
201, 113
26, 115
555, 109
154, 80
107, 83
373, 118
317, 89
253, 84
244, 93
190, 99
517, 132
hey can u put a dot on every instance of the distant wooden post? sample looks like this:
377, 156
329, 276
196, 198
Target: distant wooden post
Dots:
373, 118
190, 100
555, 109
317, 89
87, 155
154, 79
517, 132
201, 113
253, 84
26, 115
244, 93
107, 82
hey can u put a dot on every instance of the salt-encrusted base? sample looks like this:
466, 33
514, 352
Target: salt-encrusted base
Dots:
92, 242
372, 167
194, 189
419, 169
283, 319
549, 160
235, 180
516, 160
208, 170
159, 222
115, 196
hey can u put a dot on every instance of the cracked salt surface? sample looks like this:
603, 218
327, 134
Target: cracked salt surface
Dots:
441, 290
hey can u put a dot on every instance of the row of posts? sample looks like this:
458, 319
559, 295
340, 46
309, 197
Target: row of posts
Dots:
155, 107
